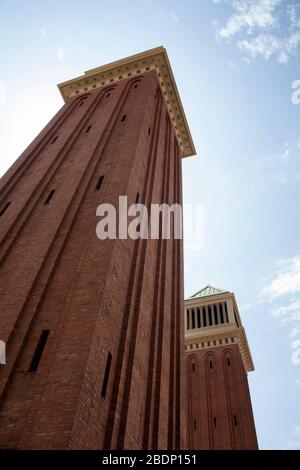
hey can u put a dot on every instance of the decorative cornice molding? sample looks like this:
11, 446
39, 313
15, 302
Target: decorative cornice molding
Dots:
207, 338
153, 59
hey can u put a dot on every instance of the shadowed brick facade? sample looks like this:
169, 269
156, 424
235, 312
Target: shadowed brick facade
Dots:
217, 361
94, 329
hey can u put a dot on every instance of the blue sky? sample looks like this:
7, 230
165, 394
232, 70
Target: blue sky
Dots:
234, 63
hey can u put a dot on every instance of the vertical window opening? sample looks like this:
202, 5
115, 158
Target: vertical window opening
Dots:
88, 129
137, 198
5, 208
135, 86
221, 313
54, 140
215, 422
195, 425
50, 195
149, 131
209, 316
123, 117
99, 183
193, 367
210, 364
106, 375
226, 312
204, 316
188, 319
198, 318
228, 362
235, 420
216, 314
39, 351
193, 318
107, 95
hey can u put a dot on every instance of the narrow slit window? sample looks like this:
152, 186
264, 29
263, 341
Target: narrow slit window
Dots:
228, 362
107, 95
235, 420
5, 208
187, 320
195, 425
135, 86
50, 196
193, 367
106, 375
210, 364
215, 422
88, 129
137, 198
149, 131
39, 351
99, 183
123, 117
54, 140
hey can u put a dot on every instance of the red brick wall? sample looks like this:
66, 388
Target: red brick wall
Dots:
219, 405
122, 296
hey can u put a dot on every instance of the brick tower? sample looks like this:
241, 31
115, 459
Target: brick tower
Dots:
93, 328
217, 361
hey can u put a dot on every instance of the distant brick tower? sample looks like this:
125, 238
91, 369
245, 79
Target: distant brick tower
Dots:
94, 329
217, 361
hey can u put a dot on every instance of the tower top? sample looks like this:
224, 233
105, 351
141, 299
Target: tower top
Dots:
154, 59
212, 318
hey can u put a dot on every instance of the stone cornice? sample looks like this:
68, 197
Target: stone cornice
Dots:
204, 338
153, 59
207, 300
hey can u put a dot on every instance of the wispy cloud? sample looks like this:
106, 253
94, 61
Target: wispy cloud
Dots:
287, 313
263, 28
287, 280
61, 53
249, 16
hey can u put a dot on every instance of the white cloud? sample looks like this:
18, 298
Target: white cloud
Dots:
263, 28
287, 280
249, 15
61, 53
3, 92
44, 33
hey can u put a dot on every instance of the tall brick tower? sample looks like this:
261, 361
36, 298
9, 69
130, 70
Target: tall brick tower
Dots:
93, 328
217, 361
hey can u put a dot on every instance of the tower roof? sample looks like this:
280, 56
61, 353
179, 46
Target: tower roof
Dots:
154, 59
207, 291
